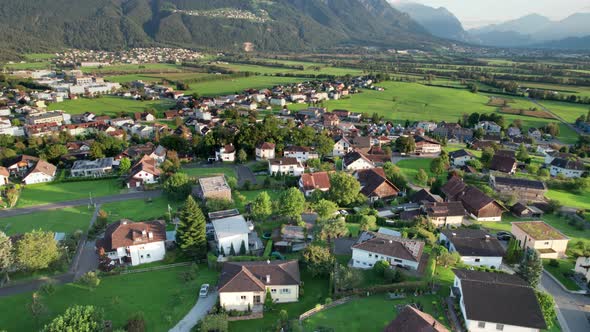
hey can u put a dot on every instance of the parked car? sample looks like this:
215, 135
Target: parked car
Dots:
504, 236
204, 290
344, 212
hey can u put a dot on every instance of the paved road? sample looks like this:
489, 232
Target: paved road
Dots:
80, 202
245, 174
198, 312
571, 125
571, 314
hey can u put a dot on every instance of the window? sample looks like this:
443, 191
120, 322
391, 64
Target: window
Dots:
500, 327
285, 291
477, 260
243, 297
273, 290
397, 260
370, 255
481, 324
149, 255
546, 243
141, 256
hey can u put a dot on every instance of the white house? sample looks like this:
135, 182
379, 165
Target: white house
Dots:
145, 171
301, 153
226, 153
159, 154
285, 166
265, 151
134, 243
230, 231
476, 246
42, 172
489, 126
243, 285
4, 174
566, 167
278, 102
355, 161
497, 302
341, 147
583, 267
397, 251
445, 214
460, 157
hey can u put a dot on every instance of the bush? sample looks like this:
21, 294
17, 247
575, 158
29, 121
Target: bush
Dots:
380, 267
267, 249
48, 288
328, 301
90, 279
136, 323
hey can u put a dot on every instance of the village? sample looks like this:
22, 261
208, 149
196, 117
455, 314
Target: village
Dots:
285, 208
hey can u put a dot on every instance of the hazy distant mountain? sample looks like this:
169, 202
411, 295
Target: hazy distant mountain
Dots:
525, 25
438, 21
571, 43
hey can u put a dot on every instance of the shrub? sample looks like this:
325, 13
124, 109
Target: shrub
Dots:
90, 279
48, 288
136, 323
268, 249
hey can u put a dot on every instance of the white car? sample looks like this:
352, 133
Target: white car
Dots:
343, 212
204, 290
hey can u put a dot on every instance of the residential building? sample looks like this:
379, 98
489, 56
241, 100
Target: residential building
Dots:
480, 206
523, 211
453, 189
476, 247
355, 161
424, 196
445, 214
47, 117
92, 168
135, 243
145, 171
21, 164
372, 247
265, 151
214, 187
410, 319
159, 154
583, 267
42, 172
231, 232
375, 185
497, 302
285, 166
503, 164
310, 182
4, 175
301, 153
537, 235
460, 158
526, 190
243, 285
490, 127
226, 153
426, 145
341, 147
567, 167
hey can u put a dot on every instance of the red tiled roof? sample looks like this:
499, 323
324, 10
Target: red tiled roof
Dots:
125, 233
318, 180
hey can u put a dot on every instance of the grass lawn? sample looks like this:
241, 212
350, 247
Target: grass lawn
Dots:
45, 193
559, 272
568, 111
28, 65
315, 290
580, 201
66, 220
158, 77
251, 195
209, 171
222, 87
139, 209
162, 296
370, 313
411, 167
108, 105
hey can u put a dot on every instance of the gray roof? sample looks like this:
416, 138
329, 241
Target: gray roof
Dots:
230, 226
213, 184
93, 164
474, 242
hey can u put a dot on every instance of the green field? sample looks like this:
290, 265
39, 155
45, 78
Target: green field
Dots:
411, 167
199, 172
159, 77
108, 105
139, 209
237, 85
67, 220
568, 111
131, 68
309, 69
565, 266
162, 296
28, 65
580, 201
37, 194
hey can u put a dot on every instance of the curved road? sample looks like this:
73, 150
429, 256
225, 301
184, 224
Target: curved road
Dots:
571, 314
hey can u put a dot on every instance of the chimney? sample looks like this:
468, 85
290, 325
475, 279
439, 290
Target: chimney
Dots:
123, 222
268, 278
268, 261
151, 235
487, 237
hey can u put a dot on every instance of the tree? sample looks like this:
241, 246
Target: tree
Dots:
177, 186
513, 252
368, 223
190, 235
487, 155
36, 250
344, 189
405, 144
232, 250
242, 156
394, 175
292, 203
531, 267
89, 279
77, 318
333, 228
124, 165
242, 248
543, 173
447, 259
136, 323
325, 209
319, 260
380, 267
268, 302
215, 323
547, 304
54, 152
96, 150
437, 166
261, 208
422, 177
522, 153
6, 257
348, 278
475, 164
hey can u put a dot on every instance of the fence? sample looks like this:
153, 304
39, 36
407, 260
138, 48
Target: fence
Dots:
319, 308
156, 268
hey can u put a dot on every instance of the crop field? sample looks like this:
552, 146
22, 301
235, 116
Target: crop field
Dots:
309, 69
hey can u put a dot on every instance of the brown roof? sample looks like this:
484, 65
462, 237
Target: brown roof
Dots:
43, 167
251, 276
374, 183
267, 146
125, 233
474, 242
502, 163
296, 148
284, 161
392, 246
411, 319
4, 171
229, 148
351, 157
453, 188
474, 200
445, 209
146, 164
318, 180
425, 195
23, 158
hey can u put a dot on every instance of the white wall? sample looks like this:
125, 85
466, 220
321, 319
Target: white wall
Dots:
569, 173
240, 300
237, 239
365, 260
37, 178
147, 253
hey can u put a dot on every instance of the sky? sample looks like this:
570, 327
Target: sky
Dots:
476, 13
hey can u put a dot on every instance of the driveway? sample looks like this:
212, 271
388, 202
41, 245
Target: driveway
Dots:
342, 245
245, 174
198, 312
571, 314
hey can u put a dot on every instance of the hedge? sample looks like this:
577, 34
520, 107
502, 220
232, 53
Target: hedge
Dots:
268, 249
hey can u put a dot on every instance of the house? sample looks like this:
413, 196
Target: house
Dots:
265, 151
537, 235
137, 151
341, 147
214, 187
134, 243
513, 132
375, 185
523, 211
567, 167
159, 154
426, 145
476, 247
92, 168
285, 166
480, 206
226, 153
21, 164
42, 172
526, 190
453, 189
445, 214
460, 158
372, 247
489, 127
583, 267
145, 171
244, 285
310, 182
535, 133
424, 196
497, 302
503, 164
301, 153
331, 120
410, 319
4, 174
354, 161
230, 232
145, 116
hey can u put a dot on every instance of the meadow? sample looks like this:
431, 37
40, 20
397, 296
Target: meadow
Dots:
109, 105
44, 193
125, 78
67, 220
140, 209
238, 85
134, 68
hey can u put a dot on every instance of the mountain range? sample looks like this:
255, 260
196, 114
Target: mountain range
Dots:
270, 25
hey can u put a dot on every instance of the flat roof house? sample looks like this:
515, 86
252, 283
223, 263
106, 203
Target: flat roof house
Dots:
476, 247
243, 285
497, 302
231, 232
372, 247
214, 187
92, 168
538, 235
